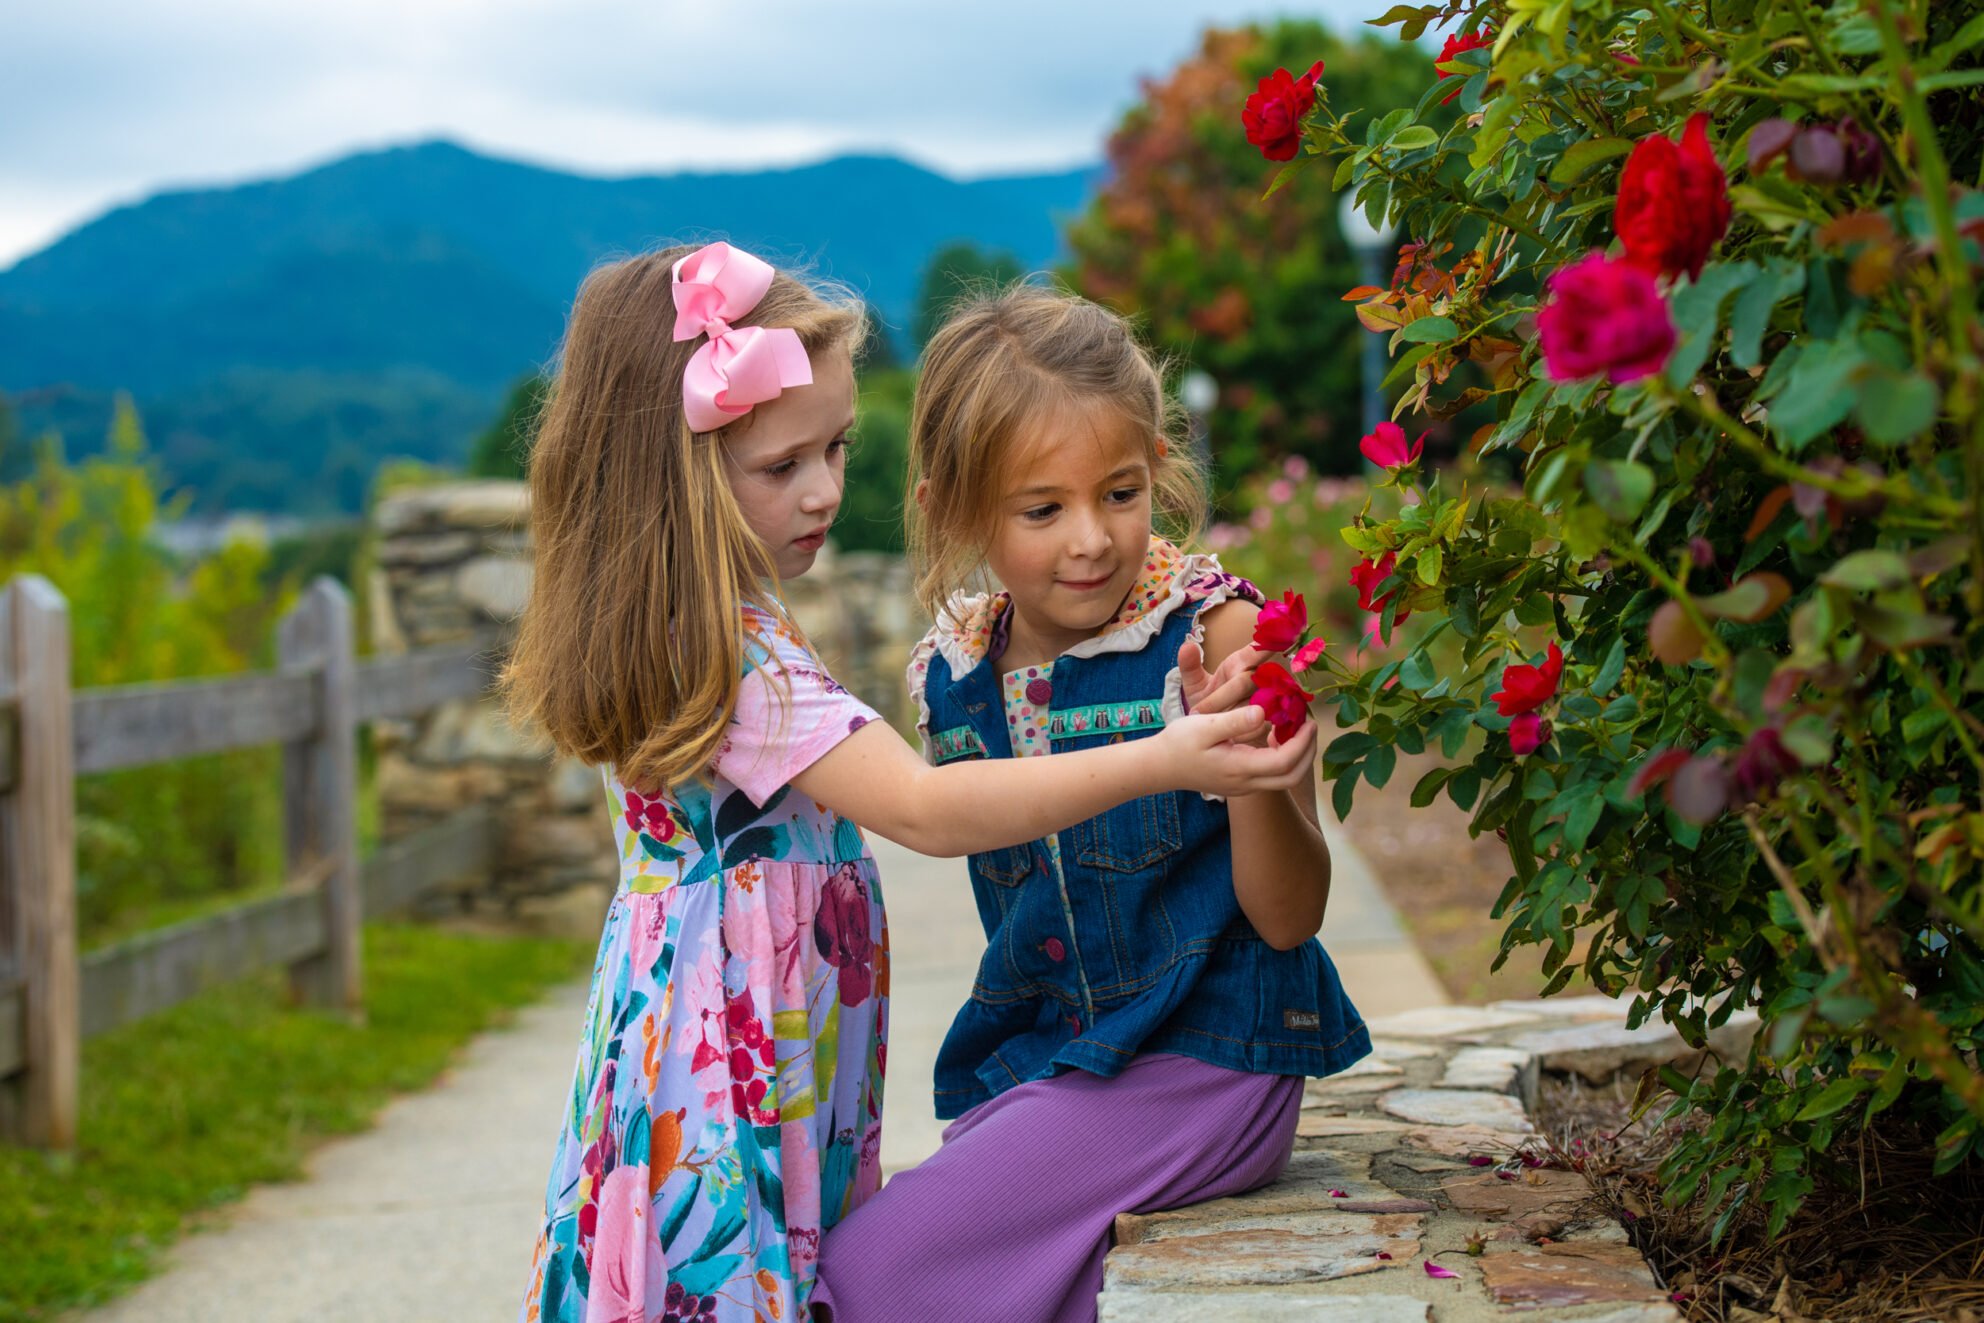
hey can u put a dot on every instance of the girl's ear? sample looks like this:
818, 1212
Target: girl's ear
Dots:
923, 495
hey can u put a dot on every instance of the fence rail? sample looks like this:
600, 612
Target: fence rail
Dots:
50, 998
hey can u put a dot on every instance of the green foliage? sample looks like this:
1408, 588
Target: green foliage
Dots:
1765, 561
957, 271
161, 836
503, 449
184, 1110
870, 516
1250, 293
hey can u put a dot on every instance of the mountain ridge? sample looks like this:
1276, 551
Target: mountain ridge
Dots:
429, 262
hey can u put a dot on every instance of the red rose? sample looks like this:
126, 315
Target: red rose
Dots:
1527, 734
1365, 578
1285, 702
1526, 688
1673, 202
1273, 115
1281, 624
1604, 317
1456, 43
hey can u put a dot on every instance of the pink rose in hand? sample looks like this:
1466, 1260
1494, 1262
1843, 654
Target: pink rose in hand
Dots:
1285, 702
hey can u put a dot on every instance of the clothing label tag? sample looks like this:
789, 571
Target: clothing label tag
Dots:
1301, 1020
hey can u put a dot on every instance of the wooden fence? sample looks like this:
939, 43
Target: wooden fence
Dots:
50, 999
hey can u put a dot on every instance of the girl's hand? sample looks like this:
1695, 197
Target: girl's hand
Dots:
1229, 685
1209, 753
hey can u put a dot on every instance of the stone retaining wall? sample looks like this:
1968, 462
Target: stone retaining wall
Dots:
452, 566
1403, 1161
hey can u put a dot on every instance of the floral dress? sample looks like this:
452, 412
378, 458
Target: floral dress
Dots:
727, 1104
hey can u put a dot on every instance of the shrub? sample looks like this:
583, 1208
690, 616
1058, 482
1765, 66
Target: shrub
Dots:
1719, 265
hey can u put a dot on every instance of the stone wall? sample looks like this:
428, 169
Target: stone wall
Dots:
452, 567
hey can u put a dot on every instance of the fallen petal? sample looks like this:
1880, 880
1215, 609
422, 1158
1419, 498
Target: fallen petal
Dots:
1480, 1160
1338, 1194
1435, 1270
1383, 1255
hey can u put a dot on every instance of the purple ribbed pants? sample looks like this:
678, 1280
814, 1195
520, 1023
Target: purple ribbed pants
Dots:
1009, 1220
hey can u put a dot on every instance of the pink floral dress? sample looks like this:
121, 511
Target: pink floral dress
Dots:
727, 1104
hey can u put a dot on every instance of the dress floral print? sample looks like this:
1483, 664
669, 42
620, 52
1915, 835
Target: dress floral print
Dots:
726, 1108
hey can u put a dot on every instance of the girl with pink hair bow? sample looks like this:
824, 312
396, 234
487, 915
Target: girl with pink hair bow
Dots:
726, 1105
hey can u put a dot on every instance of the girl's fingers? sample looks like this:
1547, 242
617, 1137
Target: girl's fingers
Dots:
1231, 693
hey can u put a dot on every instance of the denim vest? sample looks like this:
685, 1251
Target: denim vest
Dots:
1137, 944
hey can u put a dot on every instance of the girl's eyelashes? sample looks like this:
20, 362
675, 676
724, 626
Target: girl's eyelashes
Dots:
1126, 495
780, 469
836, 449
1040, 513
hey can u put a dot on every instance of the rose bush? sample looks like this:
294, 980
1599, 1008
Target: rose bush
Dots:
1720, 268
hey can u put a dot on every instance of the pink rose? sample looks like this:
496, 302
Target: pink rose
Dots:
1281, 624
1604, 317
1308, 655
1386, 447
1527, 734
1285, 702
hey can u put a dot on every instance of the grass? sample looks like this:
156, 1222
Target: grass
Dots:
183, 1111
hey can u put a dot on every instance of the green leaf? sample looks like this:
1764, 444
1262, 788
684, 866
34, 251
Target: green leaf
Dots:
1378, 767
1418, 674
1610, 669
1430, 559
1580, 157
1412, 138
1429, 330
1831, 1098
1868, 571
1340, 798
1751, 315
1697, 310
1896, 407
1349, 748
1622, 487
1429, 785
1819, 392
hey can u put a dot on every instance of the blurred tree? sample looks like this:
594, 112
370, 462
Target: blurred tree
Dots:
503, 450
1251, 294
871, 504
958, 271
150, 838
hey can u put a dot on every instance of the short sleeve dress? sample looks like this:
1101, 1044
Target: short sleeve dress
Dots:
726, 1108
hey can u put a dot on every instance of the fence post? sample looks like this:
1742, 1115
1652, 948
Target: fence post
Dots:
320, 793
38, 890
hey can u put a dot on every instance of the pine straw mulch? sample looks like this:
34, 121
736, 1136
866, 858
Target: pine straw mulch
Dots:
1908, 1250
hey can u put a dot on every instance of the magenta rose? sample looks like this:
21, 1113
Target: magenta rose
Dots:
1285, 702
1527, 734
1281, 624
1604, 318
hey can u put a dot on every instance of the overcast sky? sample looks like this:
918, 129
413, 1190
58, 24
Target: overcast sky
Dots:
106, 101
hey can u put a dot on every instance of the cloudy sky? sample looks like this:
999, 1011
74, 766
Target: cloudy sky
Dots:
105, 101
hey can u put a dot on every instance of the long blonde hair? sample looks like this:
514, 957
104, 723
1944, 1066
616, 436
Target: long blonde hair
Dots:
632, 644
1002, 364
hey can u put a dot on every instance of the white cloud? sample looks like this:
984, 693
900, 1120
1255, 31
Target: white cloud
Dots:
103, 101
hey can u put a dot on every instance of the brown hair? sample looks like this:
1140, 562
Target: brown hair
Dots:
991, 374
632, 644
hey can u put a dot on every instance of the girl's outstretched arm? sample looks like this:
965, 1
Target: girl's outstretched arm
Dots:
875, 778
1281, 864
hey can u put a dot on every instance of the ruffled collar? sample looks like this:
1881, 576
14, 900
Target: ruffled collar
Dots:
974, 627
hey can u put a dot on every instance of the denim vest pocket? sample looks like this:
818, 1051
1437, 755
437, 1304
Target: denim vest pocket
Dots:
1132, 837
1006, 867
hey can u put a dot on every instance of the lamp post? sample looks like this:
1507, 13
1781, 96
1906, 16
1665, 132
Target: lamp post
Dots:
1198, 392
1370, 243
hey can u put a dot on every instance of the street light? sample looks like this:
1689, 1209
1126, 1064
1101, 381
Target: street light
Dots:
1198, 392
1371, 243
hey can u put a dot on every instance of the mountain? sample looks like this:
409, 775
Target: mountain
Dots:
283, 337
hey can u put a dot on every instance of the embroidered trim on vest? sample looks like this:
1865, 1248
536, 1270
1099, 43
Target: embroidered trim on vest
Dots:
956, 743
1100, 718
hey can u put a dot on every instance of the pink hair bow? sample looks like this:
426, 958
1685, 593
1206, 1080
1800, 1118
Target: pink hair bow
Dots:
737, 369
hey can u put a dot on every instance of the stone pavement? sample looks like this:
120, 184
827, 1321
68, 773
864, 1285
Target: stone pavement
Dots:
431, 1214
1414, 1157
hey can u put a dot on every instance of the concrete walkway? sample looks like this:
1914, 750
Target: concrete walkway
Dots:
431, 1215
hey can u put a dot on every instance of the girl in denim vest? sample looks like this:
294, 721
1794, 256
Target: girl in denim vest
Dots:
1152, 993
726, 1106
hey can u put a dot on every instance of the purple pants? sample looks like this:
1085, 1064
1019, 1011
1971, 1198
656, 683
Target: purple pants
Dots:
1009, 1220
